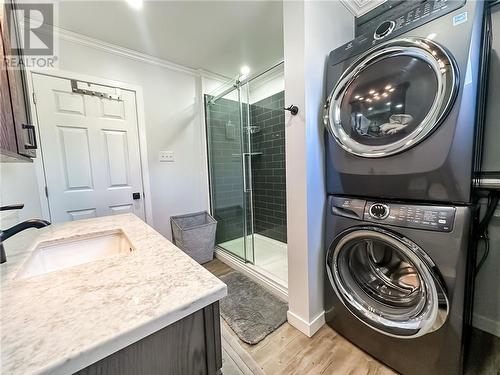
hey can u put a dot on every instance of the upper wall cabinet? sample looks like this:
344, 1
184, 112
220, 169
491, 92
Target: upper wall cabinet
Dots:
17, 134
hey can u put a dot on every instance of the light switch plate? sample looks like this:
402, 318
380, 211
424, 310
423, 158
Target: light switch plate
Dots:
166, 156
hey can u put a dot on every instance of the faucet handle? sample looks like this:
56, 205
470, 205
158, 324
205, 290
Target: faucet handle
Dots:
9, 207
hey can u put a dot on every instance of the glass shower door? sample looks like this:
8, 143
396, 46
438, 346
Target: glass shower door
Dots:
246, 149
247, 170
228, 166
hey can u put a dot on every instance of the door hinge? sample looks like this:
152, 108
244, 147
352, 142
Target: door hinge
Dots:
34, 97
46, 192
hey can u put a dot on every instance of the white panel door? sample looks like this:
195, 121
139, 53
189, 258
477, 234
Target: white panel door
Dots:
90, 149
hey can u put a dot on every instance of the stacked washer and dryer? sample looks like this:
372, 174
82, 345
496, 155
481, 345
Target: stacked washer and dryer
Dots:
401, 150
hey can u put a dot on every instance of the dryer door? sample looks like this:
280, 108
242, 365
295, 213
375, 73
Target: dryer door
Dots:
387, 282
392, 98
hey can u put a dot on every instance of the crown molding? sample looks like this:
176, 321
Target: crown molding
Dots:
215, 76
360, 7
86, 41
83, 40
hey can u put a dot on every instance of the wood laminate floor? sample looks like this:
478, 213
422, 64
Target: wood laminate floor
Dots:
218, 268
288, 351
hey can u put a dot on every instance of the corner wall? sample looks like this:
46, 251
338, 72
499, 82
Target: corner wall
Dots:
487, 288
486, 307
311, 31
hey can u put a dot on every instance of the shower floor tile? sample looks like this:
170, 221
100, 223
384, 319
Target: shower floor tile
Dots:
236, 246
270, 255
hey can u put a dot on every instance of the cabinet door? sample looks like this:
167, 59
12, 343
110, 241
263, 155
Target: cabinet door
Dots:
7, 132
25, 135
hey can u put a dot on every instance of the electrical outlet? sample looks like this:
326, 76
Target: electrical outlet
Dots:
166, 156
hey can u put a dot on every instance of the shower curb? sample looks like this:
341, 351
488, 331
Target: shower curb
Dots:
249, 270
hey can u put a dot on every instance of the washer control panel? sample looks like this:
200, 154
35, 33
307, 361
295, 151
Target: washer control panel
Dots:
437, 218
379, 211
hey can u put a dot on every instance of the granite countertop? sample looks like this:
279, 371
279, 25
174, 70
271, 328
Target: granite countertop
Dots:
63, 321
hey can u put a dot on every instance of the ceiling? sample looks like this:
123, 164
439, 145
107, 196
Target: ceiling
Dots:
216, 36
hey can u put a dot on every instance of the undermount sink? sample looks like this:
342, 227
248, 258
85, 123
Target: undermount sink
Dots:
52, 256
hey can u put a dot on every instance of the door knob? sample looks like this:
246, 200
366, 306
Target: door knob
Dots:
136, 196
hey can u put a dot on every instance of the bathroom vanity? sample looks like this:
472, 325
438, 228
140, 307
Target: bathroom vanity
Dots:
107, 295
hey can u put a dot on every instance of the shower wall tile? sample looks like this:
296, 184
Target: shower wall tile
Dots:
268, 168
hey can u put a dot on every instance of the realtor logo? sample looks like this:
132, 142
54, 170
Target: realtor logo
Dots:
31, 35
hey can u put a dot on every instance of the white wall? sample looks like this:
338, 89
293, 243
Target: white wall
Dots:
18, 185
311, 31
173, 114
172, 107
267, 85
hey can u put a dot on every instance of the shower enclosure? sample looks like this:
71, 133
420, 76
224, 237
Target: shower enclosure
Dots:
246, 154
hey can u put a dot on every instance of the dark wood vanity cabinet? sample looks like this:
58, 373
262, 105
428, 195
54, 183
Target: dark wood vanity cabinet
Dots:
190, 346
17, 134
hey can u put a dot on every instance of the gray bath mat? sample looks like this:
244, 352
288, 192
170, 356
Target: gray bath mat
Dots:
250, 310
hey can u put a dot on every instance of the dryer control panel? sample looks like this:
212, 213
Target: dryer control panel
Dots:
398, 25
428, 217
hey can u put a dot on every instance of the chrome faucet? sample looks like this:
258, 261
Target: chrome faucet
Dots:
7, 233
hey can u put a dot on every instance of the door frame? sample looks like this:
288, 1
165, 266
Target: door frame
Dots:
141, 128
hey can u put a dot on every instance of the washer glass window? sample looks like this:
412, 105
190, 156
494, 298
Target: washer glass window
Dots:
385, 282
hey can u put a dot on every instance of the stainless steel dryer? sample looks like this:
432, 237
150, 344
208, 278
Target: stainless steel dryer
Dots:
401, 108
396, 281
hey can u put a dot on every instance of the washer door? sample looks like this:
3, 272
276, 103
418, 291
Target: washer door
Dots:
392, 98
387, 282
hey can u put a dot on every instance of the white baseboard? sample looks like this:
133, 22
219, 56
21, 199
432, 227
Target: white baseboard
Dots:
307, 328
253, 273
486, 324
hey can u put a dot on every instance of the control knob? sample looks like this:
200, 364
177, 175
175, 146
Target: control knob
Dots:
384, 29
379, 211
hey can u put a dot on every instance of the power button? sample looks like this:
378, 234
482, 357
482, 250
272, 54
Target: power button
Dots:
379, 211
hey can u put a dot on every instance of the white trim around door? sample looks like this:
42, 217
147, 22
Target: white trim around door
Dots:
141, 125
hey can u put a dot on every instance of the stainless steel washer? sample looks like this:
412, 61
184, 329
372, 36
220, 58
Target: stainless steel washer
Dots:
396, 281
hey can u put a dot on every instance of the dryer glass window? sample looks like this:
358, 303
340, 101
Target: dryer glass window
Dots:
388, 100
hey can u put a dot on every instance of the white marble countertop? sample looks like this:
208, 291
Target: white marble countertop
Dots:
63, 321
